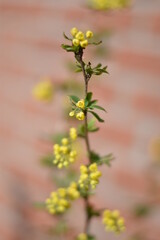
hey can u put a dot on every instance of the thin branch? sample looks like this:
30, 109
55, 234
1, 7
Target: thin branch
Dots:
86, 80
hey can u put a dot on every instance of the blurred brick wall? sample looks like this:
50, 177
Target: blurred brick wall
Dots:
30, 38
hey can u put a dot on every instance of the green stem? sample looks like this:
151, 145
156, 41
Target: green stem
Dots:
86, 80
88, 218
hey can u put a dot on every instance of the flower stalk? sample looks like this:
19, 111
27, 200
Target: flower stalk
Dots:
65, 154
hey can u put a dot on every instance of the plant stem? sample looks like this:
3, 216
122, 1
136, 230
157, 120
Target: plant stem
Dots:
86, 79
86, 198
88, 219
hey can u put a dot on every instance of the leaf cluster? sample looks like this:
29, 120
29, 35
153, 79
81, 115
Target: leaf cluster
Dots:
98, 70
141, 210
91, 212
100, 160
91, 127
70, 48
90, 105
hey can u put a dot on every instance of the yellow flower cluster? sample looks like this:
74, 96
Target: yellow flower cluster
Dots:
82, 236
60, 201
80, 105
79, 37
73, 133
43, 90
64, 153
113, 222
108, 4
89, 177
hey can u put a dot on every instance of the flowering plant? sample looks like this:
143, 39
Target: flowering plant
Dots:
65, 154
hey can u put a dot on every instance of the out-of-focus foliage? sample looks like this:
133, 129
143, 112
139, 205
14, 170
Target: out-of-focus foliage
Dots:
141, 210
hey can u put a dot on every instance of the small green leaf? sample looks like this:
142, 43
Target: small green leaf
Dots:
91, 126
81, 130
65, 36
106, 159
68, 48
96, 116
141, 210
79, 68
89, 96
94, 129
98, 65
96, 43
98, 70
92, 212
95, 157
92, 102
91, 123
99, 107
88, 99
73, 98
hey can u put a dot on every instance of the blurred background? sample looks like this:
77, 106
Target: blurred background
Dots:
30, 39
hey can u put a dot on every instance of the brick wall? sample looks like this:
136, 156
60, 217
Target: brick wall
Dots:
30, 38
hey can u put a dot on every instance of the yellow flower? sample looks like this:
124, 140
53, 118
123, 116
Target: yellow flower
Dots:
89, 34
80, 36
113, 222
72, 191
83, 169
56, 148
81, 104
73, 153
74, 31
43, 90
82, 236
62, 192
84, 43
65, 154
75, 42
80, 116
65, 141
89, 177
73, 133
71, 114
93, 167
64, 149
60, 201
